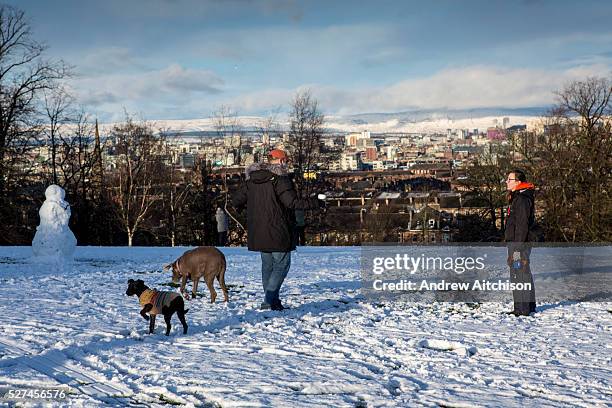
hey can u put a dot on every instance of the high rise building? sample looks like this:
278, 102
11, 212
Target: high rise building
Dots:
371, 153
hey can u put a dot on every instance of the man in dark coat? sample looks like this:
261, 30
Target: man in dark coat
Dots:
521, 217
271, 200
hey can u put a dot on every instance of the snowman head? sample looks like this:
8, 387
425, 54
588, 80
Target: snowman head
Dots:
55, 193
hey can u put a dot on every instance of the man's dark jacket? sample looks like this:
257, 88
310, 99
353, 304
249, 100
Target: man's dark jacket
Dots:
271, 199
520, 214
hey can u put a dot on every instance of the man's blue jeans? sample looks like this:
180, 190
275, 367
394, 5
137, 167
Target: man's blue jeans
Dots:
274, 268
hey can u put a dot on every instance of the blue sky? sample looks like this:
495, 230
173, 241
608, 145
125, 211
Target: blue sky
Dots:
182, 59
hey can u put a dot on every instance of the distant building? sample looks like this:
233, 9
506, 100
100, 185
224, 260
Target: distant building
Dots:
187, 160
516, 128
249, 159
265, 138
350, 140
390, 164
466, 151
371, 153
229, 160
236, 141
494, 133
378, 165
349, 161
431, 169
365, 166
355, 139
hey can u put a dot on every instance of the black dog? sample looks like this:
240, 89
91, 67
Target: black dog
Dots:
157, 302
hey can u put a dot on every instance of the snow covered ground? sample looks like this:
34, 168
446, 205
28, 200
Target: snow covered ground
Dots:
332, 348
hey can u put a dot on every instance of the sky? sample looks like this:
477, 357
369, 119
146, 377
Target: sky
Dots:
183, 59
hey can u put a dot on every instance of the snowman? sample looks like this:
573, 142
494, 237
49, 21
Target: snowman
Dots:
54, 241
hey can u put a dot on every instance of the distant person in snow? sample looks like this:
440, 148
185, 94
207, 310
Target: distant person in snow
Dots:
520, 220
271, 200
222, 226
300, 227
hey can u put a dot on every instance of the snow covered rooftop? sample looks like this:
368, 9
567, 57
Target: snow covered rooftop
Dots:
386, 195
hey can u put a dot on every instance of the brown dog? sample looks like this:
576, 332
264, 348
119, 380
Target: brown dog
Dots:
206, 262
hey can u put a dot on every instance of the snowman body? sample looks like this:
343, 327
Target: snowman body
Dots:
54, 241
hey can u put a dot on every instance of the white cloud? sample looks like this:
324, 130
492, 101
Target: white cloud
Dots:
178, 92
173, 84
105, 60
176, 78
453, 88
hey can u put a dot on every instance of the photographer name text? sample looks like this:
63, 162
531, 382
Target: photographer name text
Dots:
425, 285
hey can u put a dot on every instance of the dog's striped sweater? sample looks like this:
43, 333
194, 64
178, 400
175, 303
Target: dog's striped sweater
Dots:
158, 299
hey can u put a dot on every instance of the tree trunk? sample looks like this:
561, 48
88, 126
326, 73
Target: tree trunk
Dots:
53, 160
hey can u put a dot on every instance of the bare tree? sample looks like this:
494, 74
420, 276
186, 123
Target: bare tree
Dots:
178, 195
177, 188
305, 135
380, 225
227, 124
268, 125
80, 160
75, 166
135, 187
590, 100
484, 182
226, 121
58, 105
573, 163
24, 74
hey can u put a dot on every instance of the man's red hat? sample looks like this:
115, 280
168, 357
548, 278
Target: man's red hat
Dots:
277, 154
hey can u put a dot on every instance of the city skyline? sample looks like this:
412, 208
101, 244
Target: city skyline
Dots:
183, 59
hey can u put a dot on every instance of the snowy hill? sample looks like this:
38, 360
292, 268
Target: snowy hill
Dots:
415, 121
332, 348
438, 120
